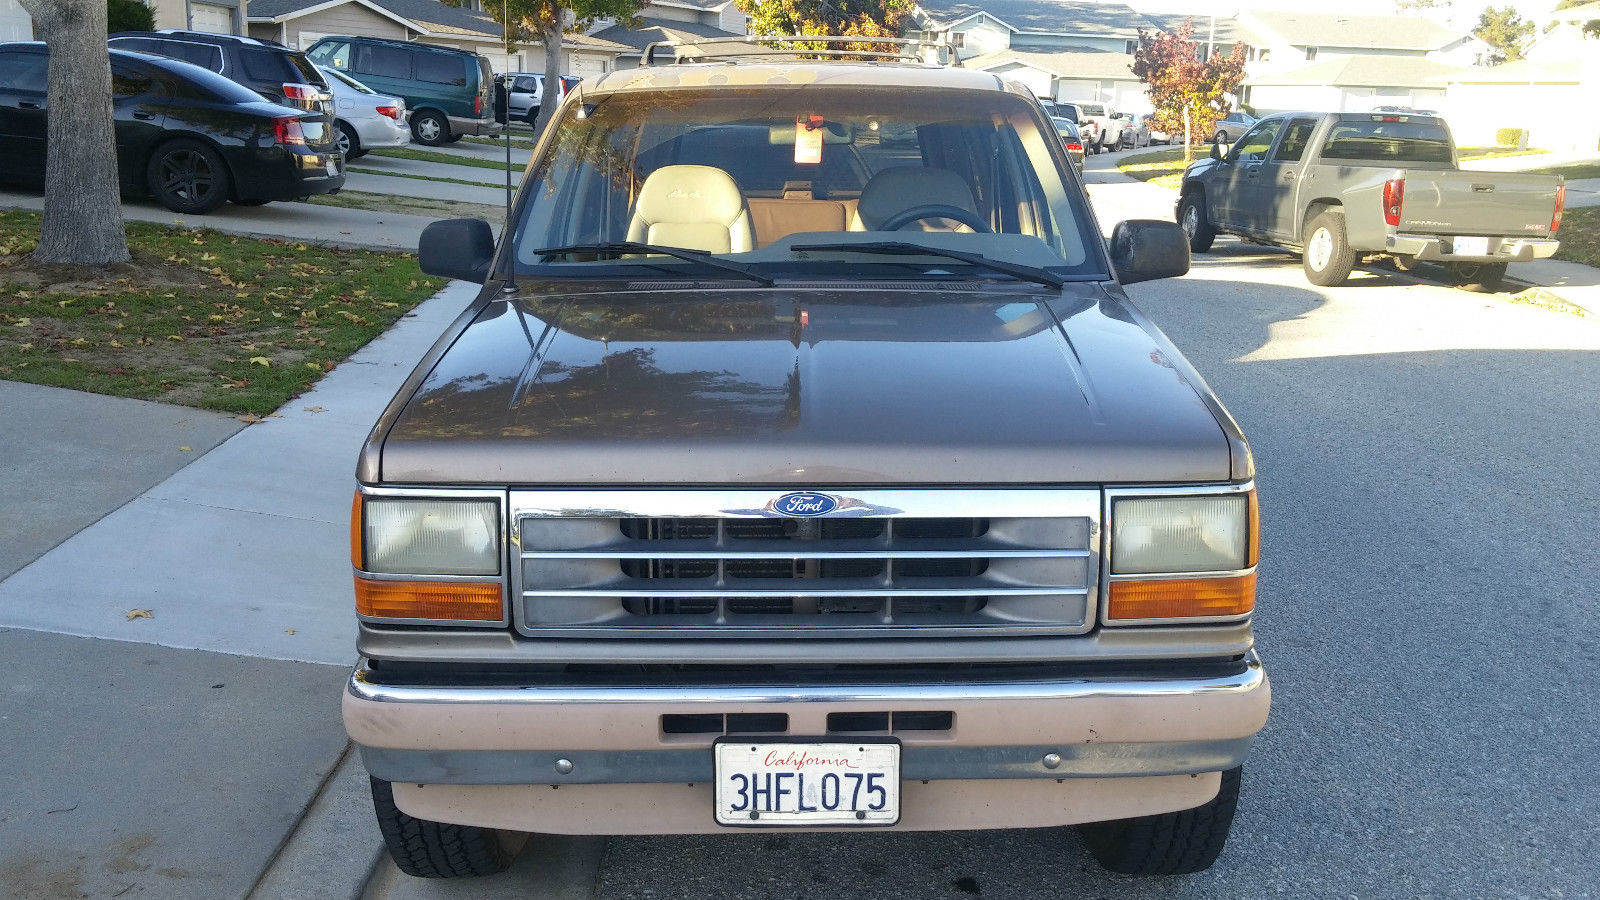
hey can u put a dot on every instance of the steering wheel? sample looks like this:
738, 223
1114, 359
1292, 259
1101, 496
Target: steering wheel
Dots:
935, 211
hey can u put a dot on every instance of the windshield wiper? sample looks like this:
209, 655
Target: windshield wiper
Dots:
906, 248
620, 247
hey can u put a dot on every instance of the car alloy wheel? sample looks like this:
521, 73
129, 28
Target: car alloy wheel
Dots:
1191, 220
188, 177
1320, 249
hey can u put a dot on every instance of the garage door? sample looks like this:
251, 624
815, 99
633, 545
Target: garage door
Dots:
587, 66
207, 17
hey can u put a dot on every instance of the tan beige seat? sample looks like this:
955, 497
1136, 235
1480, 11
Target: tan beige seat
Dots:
693, 207
897, 189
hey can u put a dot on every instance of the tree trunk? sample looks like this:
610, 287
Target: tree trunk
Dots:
552, 72
1188, 136
82, 201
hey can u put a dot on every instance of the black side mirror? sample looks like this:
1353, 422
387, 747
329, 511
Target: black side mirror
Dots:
1147, 249
1219, 149
457, 248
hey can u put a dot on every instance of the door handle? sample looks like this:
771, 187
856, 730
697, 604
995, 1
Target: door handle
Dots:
29, 104
144, 116
1288, 176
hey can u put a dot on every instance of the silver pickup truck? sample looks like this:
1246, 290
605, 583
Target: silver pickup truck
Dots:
1340, 187
803, 464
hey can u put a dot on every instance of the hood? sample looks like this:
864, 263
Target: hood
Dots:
806, 386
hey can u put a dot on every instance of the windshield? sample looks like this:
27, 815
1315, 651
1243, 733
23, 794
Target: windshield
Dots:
754, 174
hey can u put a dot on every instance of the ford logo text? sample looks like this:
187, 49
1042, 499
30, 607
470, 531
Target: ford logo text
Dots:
804, 504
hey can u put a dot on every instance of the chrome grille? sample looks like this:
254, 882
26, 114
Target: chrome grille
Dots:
723, 564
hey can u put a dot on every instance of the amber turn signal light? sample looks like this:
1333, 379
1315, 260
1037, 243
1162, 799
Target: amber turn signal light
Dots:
1182, 598
468, 601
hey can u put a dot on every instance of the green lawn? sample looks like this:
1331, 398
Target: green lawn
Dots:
1580, 236
1572, 172
446, 158
1465, 153
1160, 167
199, 318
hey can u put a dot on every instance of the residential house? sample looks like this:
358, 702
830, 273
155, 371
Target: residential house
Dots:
1549, 94
673, 20
300, 23
1064, 50
1336, 62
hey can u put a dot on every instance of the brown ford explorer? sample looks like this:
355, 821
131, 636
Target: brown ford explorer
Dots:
803, 465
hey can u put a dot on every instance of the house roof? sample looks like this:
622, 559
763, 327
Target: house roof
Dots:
653, 29
1049, 16
1310, 29
1230, 31
1366, 71
1577, 13
1083, 63
427, 16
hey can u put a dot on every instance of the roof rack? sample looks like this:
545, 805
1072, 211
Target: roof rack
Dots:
781, 47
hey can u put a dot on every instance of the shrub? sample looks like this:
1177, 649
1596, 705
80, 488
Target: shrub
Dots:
1509, 137
129, 15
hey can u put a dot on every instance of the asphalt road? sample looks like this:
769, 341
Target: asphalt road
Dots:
1430, 488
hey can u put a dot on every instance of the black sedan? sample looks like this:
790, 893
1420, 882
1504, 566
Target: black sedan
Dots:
185, 135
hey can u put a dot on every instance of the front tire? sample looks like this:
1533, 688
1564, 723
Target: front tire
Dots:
430, 128
427, 849
1482, 278
1179, 843
188, 177
1193, 219
1327, 259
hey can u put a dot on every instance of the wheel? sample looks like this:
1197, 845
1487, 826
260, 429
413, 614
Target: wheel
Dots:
188, 177
1177, 843
454, 136
1195, 222
435, 849
1328, 258
1405, 263
1485, 278
349, 142
430, 128
251, 201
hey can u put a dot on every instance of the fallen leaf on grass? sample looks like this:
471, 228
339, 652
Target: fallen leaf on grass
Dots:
260, 361
139, 614
23, 323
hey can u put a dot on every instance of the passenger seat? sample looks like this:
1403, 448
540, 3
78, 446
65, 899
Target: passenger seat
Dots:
693, 207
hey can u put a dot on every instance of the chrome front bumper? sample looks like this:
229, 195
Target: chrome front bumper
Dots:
1093, 727
1428, 248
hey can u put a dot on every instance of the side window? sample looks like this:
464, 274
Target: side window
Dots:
526, 84
441, 68
335, 54
384, 62
1255, 143
126, 81
24, 72
1295, 139
202, 55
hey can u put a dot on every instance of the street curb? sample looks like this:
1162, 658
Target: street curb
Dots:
334, 848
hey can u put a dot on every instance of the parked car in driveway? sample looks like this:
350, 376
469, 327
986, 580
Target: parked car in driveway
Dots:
1088, 129
1134, 132
1344, 186
1072, 139
1108, 128
450, 92
784, 478
185, 135
1231, 126
271, 70
366, 118
527, 93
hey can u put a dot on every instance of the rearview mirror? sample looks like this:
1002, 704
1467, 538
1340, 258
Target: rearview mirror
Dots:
457, 248
1147, 249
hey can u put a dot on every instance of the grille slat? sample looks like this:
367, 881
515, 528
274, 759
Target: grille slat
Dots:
746, 572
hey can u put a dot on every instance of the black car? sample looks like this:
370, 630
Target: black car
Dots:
268, 68
185, 135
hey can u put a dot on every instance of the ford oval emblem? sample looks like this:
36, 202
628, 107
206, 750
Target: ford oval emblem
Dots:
804, 504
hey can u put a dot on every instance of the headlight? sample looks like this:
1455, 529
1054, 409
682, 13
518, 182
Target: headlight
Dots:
1178, 558
1179, 534
431, 537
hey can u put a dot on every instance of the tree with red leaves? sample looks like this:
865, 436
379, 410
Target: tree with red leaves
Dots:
1187, 94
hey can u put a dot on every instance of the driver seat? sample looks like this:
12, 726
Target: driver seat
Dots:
693, 207
899, 188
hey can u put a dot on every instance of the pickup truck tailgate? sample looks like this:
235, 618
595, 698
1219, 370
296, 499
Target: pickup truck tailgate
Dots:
1478, 203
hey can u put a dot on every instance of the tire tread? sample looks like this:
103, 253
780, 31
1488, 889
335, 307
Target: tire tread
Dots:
1178, 843
427, 849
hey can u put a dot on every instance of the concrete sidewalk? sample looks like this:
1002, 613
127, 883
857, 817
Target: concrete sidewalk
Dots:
495, 177
417, 187
196, 753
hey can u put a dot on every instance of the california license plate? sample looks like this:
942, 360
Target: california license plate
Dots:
807, 784
1471, 246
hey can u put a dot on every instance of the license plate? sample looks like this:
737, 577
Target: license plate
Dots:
1471, 246
807, 784
333, 167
